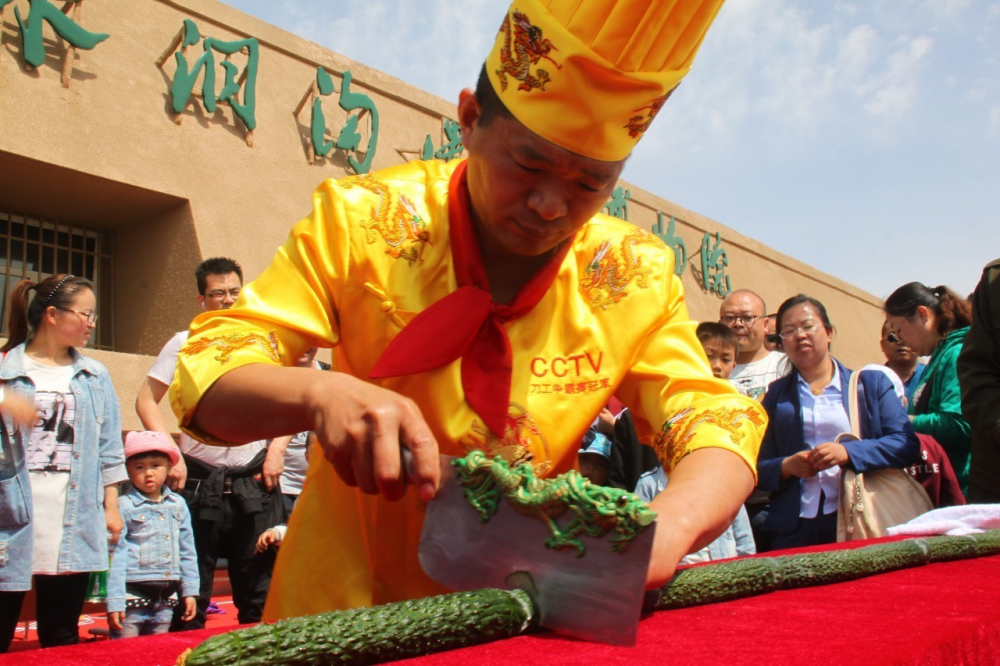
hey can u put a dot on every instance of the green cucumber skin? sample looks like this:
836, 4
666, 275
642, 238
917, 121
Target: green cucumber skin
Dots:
841, 565
372, 635
988, 543
700, 585
434, 624
749, 577
952, 548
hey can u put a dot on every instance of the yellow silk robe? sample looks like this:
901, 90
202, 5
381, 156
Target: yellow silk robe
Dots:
373, 254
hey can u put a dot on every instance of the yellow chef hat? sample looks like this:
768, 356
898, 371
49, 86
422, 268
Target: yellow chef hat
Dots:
590, 75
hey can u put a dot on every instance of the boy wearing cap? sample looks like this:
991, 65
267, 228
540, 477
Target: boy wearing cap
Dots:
503, 319
595, 450
155, 561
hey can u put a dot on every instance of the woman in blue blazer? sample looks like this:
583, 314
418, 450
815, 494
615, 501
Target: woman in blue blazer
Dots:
799, 461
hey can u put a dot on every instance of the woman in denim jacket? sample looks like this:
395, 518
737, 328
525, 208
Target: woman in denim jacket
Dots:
59, 476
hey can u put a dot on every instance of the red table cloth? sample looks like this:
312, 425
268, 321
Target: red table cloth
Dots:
944, 613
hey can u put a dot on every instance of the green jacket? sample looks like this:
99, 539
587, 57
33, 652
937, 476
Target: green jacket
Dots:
979, 374
939, 414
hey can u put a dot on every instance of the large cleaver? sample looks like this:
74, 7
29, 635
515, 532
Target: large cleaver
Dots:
597, 596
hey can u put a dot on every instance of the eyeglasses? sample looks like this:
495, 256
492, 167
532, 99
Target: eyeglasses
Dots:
790, 332
219, 294
744, 320
892, 337
89, 315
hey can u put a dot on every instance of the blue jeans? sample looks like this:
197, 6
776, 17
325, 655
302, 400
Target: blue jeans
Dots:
152, 619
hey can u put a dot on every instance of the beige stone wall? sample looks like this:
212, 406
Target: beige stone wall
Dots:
856, 314
106, 152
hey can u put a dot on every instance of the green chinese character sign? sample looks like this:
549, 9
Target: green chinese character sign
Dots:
451, 149
714, 261
349, 139
186, 75
617, 205
42, 12
675, 243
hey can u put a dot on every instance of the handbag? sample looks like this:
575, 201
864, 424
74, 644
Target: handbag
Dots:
874, 501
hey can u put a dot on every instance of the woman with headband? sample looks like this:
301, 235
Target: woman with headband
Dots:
58, 475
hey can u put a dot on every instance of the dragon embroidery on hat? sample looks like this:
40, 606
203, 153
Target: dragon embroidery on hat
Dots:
523, 46
396, 222
522, 441
639, 124
671, 442
607, 275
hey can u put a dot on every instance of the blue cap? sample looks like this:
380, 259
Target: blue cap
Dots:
595, 442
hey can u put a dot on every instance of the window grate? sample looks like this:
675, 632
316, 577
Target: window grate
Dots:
34, 247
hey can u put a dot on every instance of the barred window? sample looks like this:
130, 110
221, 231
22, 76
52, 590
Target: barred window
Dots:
35, 247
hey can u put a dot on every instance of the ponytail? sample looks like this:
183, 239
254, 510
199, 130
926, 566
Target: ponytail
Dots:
57, 291
17, 318
951, 310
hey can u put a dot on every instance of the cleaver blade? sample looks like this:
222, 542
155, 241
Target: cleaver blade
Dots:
596, 597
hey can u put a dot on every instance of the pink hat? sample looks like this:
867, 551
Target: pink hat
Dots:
143, 441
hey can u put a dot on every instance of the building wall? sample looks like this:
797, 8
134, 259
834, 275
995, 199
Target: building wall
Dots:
106, 152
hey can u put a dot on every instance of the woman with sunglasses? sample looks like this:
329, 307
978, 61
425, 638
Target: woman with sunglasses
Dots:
935, 322
800, 461
58, 473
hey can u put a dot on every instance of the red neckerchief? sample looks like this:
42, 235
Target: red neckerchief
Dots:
466, 323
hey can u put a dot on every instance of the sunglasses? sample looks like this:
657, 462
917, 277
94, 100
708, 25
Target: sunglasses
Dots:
893, 338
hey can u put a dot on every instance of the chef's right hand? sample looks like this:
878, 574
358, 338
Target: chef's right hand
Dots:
361, 428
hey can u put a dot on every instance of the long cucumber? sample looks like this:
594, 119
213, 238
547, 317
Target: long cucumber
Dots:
424, 626
373, 635
748, 577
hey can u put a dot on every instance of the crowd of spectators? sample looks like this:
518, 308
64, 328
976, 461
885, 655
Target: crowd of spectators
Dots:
171, 509
931, 410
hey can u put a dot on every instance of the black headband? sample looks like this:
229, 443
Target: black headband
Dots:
54, 290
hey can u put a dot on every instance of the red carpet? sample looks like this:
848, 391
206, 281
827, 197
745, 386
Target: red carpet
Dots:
93, 627
946, 613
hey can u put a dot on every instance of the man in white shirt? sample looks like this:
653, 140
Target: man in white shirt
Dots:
230, 489
756, 367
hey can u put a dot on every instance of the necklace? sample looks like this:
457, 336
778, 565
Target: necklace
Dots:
826, 381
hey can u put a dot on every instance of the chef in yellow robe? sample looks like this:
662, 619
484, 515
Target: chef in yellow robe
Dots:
481, 304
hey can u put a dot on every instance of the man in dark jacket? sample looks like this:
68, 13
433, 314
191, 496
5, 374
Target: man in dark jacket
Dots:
979, 375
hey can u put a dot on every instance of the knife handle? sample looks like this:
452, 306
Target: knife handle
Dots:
409, 466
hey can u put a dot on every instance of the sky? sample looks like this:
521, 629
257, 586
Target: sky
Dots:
862, 138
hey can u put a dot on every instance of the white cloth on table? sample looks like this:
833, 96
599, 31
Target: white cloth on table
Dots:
953, 521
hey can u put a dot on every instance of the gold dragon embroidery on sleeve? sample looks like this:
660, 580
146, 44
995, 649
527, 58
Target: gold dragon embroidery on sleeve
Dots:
671, 442
230, 343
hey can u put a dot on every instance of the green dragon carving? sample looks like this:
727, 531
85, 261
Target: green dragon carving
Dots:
596, 510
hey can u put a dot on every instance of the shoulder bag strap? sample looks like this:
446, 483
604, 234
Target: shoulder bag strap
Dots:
852, 409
